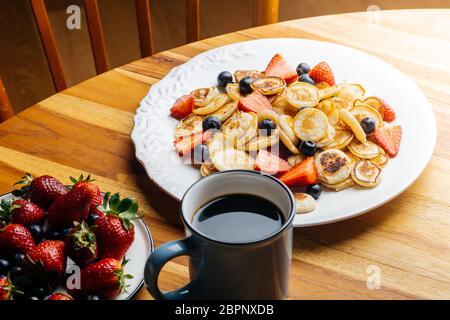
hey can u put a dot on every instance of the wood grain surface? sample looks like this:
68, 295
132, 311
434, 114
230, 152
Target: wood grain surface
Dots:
87, 128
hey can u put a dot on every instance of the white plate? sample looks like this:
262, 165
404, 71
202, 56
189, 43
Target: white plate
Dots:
137, 255
152, 134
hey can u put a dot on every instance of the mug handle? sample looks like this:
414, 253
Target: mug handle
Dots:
156, 262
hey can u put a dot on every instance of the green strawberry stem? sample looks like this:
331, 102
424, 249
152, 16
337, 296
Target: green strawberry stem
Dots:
124, 209
123, 277
24, 190
6, 209
11, 288
81, 178
84, 237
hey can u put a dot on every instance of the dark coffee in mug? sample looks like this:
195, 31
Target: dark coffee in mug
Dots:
238, 218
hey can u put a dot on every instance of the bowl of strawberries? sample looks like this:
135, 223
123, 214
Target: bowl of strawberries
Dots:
70, 242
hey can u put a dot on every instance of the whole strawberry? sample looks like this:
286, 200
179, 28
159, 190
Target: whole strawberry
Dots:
322, 73
25, 212
7, 289
70, 207
97, 200
15, 238
59, 296
81, 244
47, 257
105, 277
42, 191
114, 231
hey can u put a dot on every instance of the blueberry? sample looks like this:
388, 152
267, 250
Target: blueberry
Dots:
266, 126
201, 154
368, 125
308, 148
37, 232
33, 298
245, 85
4, 266
303, 68
211, 123
314, 190
65, 232
15, 272
18, 260
92, 218
52, 235
92, 297
306, 78
38, 292
224, 78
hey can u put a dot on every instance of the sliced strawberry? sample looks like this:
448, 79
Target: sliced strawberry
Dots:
182, 107
387, 111
303, 174
186, 144
389, 139
271, 164
254, 102
279, 67
322, 73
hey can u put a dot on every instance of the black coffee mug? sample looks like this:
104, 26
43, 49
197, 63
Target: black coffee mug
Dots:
219, 270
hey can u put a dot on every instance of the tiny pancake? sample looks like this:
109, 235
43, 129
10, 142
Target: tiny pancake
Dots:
295, 159
366, 174
262, 142
361, 111
254, 74
328, 92
328, 139
282, 107
232, 159
342, 138
286, 124
374, 103
203, 96
333, 166
347, 183
304, 203
341, 103
302, 94
233, 92
350, 92
242, 125
226, 111
288, 143
310, 124
220, 142
364, 150
269, 115
190, 125
215, 104
330, 109
207, 168
352, 157
269, 85
381, 160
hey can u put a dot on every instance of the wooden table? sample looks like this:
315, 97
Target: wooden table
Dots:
87, 128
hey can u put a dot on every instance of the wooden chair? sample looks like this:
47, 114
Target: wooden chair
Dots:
266, 11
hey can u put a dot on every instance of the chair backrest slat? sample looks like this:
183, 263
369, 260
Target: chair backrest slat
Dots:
144, 22
192, 20
266, 12
49, 44
97, 36
6, 110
